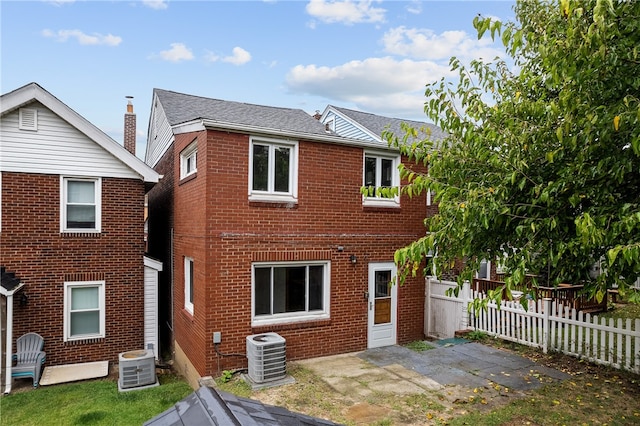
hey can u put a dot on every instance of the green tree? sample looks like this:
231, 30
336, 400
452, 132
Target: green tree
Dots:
542, 164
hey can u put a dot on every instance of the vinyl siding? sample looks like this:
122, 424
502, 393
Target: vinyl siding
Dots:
348, 130
151, 308
55, 148
160, 135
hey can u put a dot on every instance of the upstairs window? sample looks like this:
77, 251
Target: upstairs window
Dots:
273, 170
380, 171
80, 209
188, 160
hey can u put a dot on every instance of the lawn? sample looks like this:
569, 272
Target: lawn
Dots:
593, 395
96, 402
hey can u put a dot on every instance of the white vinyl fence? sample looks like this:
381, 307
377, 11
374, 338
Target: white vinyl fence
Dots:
444, 315
544, 324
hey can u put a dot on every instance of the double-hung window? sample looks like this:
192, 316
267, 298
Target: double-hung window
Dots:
81, 204
273, 170
290, 292
188, 284
188, 160
380, 171
84, 310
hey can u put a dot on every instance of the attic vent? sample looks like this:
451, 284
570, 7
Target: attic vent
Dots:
266, 356
28, 119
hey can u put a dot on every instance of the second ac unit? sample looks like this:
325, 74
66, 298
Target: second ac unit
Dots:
266, 354
137, 369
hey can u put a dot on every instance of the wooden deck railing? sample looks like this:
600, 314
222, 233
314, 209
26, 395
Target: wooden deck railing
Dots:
565, 294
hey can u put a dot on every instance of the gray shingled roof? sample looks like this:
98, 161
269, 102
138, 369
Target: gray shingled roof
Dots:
8, 280
208, 406
376, 124
181, 108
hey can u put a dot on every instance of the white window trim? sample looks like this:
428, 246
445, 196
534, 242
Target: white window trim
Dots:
68, 285
190, 151
381, 201
22, 124
63, 205
292, 317
271, 195
188, 306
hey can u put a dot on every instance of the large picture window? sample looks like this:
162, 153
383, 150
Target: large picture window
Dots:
286, 292
273, 170
380, 171
80, 206
84, 310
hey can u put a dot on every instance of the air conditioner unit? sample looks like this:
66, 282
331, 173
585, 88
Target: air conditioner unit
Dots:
137, 370
267, 357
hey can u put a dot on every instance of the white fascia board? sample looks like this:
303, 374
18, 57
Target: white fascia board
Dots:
188, 127
152, 263
33, 92
329, 138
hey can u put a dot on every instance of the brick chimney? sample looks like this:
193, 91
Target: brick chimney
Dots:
130, 128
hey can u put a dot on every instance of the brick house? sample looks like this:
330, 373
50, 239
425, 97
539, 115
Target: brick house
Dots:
261, 218
71, 229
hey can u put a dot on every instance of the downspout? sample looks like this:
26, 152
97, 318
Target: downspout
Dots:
9, 358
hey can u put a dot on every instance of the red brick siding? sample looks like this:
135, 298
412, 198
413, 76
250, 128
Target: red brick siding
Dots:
190, 199
160, 221
44, 259
224, 232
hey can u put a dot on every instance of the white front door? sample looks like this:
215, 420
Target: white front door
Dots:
383, 302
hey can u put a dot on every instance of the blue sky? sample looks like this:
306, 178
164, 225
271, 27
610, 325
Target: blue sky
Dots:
373, 56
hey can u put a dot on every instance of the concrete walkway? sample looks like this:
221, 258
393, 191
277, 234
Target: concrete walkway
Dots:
403, 371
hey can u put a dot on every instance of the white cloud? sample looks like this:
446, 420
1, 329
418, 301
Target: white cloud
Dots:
82, 38
415, 7
155, 4
178, 52
346, 12
238, 57
375, 84
60, 2
211, 57
426, 44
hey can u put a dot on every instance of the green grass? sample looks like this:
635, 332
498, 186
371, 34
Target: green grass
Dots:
622, 311
95, 402
419, 346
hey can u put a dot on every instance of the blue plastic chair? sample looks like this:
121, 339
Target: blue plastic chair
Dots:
29, 357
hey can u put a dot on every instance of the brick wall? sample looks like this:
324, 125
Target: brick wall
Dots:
160, 221
43, 258
224, 232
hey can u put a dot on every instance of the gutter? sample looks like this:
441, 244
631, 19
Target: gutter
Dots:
329, 138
